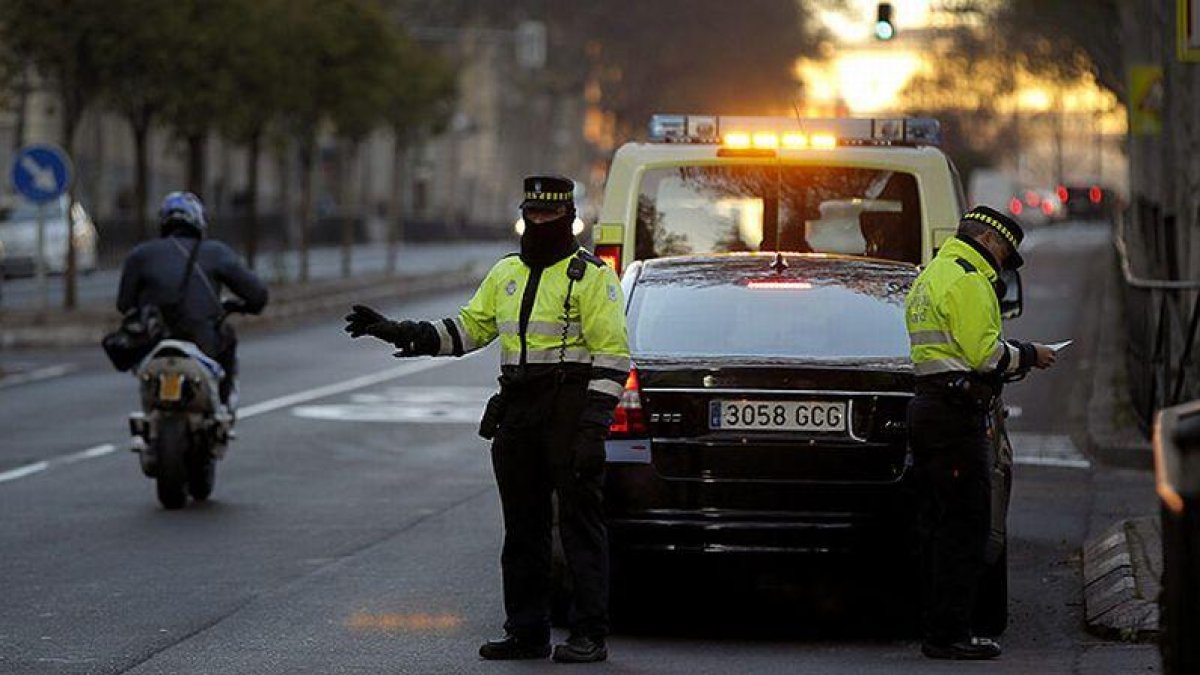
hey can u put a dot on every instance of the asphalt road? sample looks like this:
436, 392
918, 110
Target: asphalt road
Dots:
355, 526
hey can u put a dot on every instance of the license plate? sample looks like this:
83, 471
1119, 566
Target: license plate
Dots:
827, 416
170, 386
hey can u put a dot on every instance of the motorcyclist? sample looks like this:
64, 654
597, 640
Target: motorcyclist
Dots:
153, 271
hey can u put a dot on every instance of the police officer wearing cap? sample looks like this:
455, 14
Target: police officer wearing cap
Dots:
559, 314
960, 360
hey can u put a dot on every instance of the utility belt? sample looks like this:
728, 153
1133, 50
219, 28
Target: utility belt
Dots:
537, 379
973, 388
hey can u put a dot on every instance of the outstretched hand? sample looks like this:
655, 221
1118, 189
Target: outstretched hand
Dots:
363, 320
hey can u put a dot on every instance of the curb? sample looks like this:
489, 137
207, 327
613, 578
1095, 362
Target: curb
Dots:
1122, 571
1113, 438
289, 305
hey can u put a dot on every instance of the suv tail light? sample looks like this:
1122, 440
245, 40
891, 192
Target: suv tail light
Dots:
628, 421
611, 255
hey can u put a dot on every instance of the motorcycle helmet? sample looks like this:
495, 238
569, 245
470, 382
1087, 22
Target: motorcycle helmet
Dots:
182, 210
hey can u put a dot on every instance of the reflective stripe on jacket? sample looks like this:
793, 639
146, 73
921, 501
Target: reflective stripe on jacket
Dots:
953, 316
593, 332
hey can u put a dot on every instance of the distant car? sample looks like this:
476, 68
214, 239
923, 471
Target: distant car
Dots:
18, 237
1088, 202
766, 416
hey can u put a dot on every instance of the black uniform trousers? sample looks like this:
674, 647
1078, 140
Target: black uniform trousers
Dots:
948, 435
533, 457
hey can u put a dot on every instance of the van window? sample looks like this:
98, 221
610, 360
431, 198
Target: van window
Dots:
805, 209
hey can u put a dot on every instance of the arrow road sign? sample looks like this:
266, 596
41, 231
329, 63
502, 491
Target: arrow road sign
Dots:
41, 173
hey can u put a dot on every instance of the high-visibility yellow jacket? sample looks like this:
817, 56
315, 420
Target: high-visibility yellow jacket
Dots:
953, 316
590, 329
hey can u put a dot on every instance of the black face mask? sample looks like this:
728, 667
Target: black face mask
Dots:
544, 244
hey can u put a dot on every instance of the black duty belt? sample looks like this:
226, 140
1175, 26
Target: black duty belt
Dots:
961, 385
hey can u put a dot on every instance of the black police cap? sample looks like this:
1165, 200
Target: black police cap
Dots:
1008, 229
548, 192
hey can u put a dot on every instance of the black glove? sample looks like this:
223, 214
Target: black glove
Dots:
587, 449
413, 338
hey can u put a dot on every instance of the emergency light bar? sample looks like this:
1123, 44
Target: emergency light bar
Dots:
770, 133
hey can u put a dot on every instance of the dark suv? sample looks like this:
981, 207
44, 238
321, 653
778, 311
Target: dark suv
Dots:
766, 414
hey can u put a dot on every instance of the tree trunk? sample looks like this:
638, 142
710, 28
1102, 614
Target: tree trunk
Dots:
395, 216
23, 90
308, 151
197, 144
253, 151
140, 125
71, 117
347, 214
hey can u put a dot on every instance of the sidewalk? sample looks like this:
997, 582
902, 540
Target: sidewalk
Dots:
426, 268
1122, 557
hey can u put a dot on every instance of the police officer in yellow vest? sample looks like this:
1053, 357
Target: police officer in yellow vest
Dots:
961, 360
560, 316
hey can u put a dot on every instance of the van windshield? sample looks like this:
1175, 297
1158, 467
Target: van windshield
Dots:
687, 210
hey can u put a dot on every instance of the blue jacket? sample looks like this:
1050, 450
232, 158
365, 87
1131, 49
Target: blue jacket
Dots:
153, 272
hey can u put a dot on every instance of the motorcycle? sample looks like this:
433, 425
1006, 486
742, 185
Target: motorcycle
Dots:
182, 429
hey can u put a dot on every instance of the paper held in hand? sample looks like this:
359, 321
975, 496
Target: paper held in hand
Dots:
1057, 347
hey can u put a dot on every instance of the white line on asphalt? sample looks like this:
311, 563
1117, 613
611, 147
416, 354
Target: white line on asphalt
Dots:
263, 408
1053, 461
38, 375
339, 387
22, 471
90, 453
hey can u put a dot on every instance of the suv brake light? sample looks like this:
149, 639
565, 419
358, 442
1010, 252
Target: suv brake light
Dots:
628, 421
611, 255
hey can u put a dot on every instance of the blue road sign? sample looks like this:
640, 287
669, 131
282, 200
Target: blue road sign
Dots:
41, 173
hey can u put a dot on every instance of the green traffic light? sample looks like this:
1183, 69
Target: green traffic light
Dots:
884, 30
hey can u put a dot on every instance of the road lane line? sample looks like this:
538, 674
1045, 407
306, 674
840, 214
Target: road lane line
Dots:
1053, 461
262, 408
22, 471
48, 373
90, 453
339, 387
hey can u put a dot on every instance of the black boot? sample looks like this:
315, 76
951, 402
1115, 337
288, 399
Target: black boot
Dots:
581, 649
511, 647
971, 649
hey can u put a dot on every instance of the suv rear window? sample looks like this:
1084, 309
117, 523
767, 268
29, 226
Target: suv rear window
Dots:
695, 316
806, 209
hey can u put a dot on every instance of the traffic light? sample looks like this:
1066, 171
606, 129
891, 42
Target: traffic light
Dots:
884, 28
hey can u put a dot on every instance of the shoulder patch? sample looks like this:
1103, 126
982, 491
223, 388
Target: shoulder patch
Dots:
967, 267
588, 256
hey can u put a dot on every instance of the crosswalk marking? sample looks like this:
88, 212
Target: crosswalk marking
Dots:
1056, 450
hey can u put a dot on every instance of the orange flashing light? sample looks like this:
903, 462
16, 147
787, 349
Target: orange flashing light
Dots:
824, 141
794, 140
766, 140
738, 140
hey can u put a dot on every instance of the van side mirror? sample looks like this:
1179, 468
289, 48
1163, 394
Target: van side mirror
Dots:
1012, 304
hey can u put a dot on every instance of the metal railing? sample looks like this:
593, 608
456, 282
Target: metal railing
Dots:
1161, 314
1177, 469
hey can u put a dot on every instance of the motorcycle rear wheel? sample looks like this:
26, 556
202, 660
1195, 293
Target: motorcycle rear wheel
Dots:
201, 473
171, 446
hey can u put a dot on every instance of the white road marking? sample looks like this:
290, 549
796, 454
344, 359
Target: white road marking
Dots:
1057, 450
22, 471
246, 412
90, 453
37, 375
400, 405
